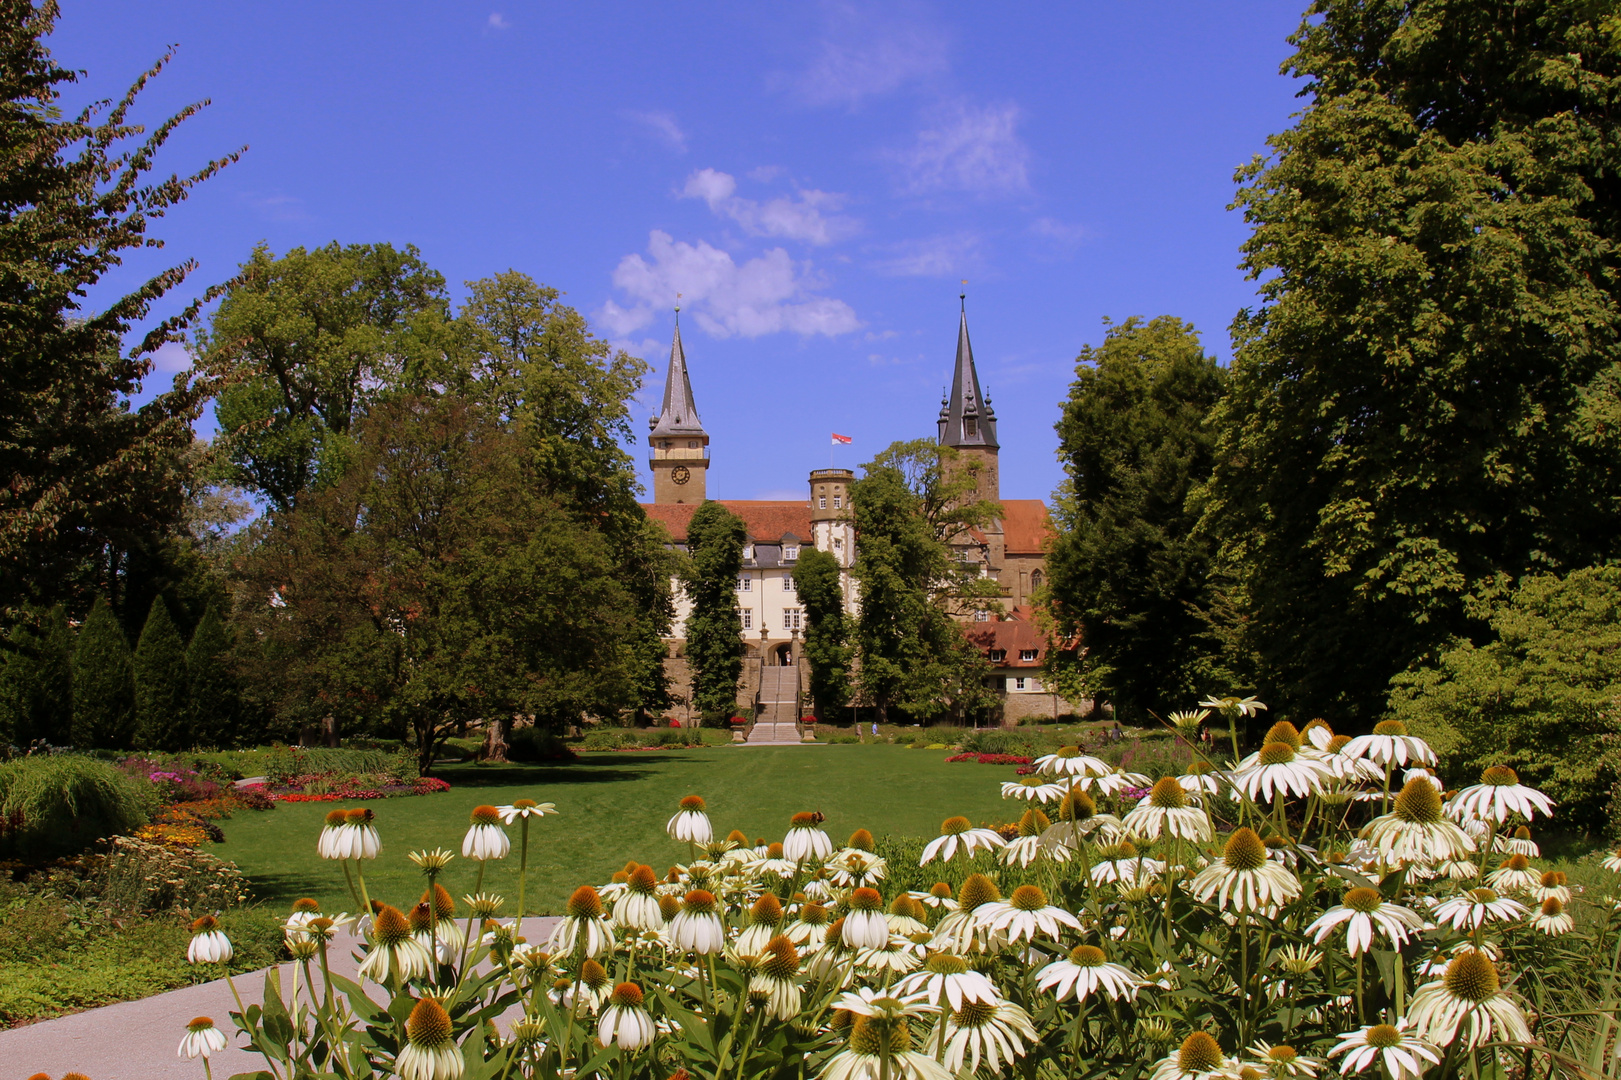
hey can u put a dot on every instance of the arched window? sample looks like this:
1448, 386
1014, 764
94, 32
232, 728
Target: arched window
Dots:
1035, 580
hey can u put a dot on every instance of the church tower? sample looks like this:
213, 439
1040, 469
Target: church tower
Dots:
967, 422
678, 445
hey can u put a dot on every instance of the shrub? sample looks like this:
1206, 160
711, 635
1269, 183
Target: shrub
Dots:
529, 744
284, 764
62, 803
36, 682
103, 682
214, 701
1007, 741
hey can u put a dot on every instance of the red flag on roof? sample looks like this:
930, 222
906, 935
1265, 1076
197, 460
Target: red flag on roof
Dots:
837, 438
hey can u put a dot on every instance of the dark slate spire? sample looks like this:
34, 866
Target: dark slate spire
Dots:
679, 415
966, 418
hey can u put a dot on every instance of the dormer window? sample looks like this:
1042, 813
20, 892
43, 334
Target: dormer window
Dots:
790, 553
970, 427
1027, 654
998, 655
748, 552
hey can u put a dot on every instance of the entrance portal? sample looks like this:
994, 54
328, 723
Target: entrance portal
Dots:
785, 655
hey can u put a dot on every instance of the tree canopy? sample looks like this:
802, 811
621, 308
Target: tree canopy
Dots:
818, 581
715, 539
1128, 574
1424, 398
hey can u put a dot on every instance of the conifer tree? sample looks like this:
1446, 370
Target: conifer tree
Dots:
215, 711
827, 629
103, 683
161, 721
36, 692
714, 644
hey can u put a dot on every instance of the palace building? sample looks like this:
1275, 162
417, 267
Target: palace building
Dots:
1009, 549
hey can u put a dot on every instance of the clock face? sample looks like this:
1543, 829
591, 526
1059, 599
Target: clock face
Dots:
680, 474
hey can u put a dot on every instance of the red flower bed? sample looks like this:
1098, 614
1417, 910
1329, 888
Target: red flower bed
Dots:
992, 759
427, 785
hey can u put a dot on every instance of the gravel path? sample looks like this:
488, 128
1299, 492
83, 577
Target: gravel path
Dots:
137, 1040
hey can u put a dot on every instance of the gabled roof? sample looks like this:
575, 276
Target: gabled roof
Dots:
768, 522
1015, 633
965, 400
1026, 526
679, 416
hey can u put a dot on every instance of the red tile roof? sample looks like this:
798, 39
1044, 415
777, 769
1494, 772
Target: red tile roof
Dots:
1014, 633
1025, 526
767, 521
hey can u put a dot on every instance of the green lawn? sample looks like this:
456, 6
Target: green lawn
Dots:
613, 807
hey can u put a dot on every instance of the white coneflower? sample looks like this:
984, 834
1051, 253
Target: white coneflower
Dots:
805, 839
305, 911
1248, 706
582, 930
766, 920
1390, 745
1034, 788
394, 949
1318, 734
995, 1033
851, 867
1070, 762
775, 980
691, 825
697, 927
1167, 811
907, 916
625, 1021
1518, 842
327, 844
1365, 912
1117, 780
1299, 960
485, 838
1283, 1062
1467, 1003
1121, 864
1416, 830
865, 926
939, 896
202, 1039
899, 955
1498, 795
1514, 876
1279, 769
430, 1052
881, 1046
1202, 778
1552, 919
209, 945
1027, 847
946, 981
1553, 884
1198, 1058
1078, 817
525, 808
1023, 915
1244, 878
957, 834
1087, 971
960, 931
1470, 911
358, 838
1456, 869
806, 931
1436, 965
1404, 1056
638, 906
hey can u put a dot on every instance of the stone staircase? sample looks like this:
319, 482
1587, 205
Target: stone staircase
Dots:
776, 723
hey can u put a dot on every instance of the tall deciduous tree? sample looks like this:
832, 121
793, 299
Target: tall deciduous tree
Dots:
817, 577
1422, 401
436, 585
715, 538
79, 470
103, 683
162, 706
314, 338
1127, 574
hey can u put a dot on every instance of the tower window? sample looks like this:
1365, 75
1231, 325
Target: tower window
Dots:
692, 444
838, 502
821, 503
970, 427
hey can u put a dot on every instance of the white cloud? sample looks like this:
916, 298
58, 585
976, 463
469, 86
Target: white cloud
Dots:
171, 358
934, 256
498, 21
975, 149
1058, 231
662, 126
863, 54
809, 215
767, 294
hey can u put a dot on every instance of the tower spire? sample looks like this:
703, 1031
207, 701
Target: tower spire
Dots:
678, 444
679, 416
967, 418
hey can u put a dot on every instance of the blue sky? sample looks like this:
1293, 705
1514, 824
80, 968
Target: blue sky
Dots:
816, 180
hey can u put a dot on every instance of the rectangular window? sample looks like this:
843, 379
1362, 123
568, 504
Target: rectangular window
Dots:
998, 655
1018, 684
970, 427
821, 503
747, 615
982, 616
744, 583
789, 554
788, 583
1027, 654
748, 552
838, 502
790, 618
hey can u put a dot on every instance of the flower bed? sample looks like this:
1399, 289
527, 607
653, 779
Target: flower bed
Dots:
992, 759
426, 785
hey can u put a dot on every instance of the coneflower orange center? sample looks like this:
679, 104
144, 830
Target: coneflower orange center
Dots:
1419, 802
1087, 956
813, 915
1033, 823
1552, 906
1077, 806
198, 1023
359, 816
429, 1024
946, 964
861, 840
524, 804
694, 803
626, 993
1028, 898
940, 889
865, 899
1383, 1036
1244, 851
205, 924
334, 818
1517, 862
700, 900
1363, 900
593, 975
1199, 1054
1338, 743
781, 960
1068, 752
954, 826
1472, 976
767, 911
586, 903
1390, 728
390, 925
1499, 776
1276, 753
485, 815
306, 904
1284, 732
977, 889
1167, 794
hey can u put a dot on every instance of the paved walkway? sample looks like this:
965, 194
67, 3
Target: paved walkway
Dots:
137, 1040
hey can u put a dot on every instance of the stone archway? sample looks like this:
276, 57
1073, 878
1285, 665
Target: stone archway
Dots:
784, 655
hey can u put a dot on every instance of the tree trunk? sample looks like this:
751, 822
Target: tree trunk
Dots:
497, 737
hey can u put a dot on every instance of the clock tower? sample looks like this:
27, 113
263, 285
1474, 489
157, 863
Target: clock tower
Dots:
678, 445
